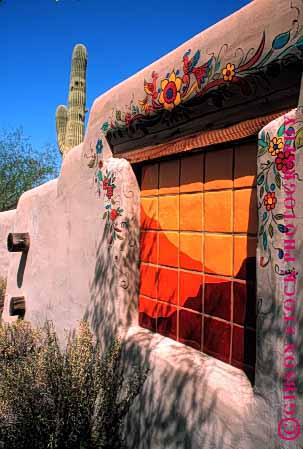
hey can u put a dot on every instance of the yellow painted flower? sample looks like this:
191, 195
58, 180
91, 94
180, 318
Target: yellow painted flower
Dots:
170, 94
228, 72
276, 145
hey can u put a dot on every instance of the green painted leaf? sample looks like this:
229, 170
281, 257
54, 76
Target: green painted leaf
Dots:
281, 130
281, 40
299, 43
265, 215
267, 139
261, 230
270, 230
104, 215
210, 72
105, 126
262, 151
282, 228
262, 143
278, 180
299, 139
279, 216
100, 176
261, 192
263, 136
260, 179
264, 240
266, 187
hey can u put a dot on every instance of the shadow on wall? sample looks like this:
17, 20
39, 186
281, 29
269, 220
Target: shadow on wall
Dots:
175, 407
113, 304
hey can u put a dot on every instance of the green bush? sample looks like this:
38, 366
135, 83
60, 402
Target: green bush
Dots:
2, 294
53, 398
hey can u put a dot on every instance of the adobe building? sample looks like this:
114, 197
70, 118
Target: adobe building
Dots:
178, 225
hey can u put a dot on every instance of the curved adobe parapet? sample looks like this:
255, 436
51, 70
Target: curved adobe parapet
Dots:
246, 66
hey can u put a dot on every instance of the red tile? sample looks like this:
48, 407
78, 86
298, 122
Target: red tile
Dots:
191, 291
168, 285
217, 338
147, 313
148, 246
167, 320
244, 303
148, 280
217, 297
190, 328
244, 346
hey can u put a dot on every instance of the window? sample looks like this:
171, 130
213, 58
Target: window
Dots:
198, 248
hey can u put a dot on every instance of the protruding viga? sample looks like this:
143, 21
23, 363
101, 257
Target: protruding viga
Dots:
70, 120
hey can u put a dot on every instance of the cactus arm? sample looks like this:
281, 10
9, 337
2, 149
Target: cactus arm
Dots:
61, 123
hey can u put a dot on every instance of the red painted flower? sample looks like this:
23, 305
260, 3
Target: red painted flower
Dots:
128, 118
105, 183
109, 192
270, 200
100, 164
284, 161
113, 215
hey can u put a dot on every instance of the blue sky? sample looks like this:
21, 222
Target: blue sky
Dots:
37, 38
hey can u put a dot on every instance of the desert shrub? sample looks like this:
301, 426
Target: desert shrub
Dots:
2, 294
71, 398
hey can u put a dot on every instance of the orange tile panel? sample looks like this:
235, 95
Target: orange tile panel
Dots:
191, 213
148, 280
191, 176
168, 285
191, 289
245, 257
218, 254
245, 164
191, 250
218, 169
149, 246
245, 216
150, 180
169, 212
149, 213
218, 211
169, 177
168, 248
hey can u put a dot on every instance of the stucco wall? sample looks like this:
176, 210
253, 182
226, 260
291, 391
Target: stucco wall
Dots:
6, 226
70, 271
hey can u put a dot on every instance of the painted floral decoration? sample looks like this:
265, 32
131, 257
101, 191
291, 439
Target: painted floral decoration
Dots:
269, 182
270, 200
276, 145
284, 161
228, 72
106, 181
197, 78
170, 91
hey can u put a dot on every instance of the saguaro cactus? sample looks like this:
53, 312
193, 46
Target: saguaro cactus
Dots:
70, 119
